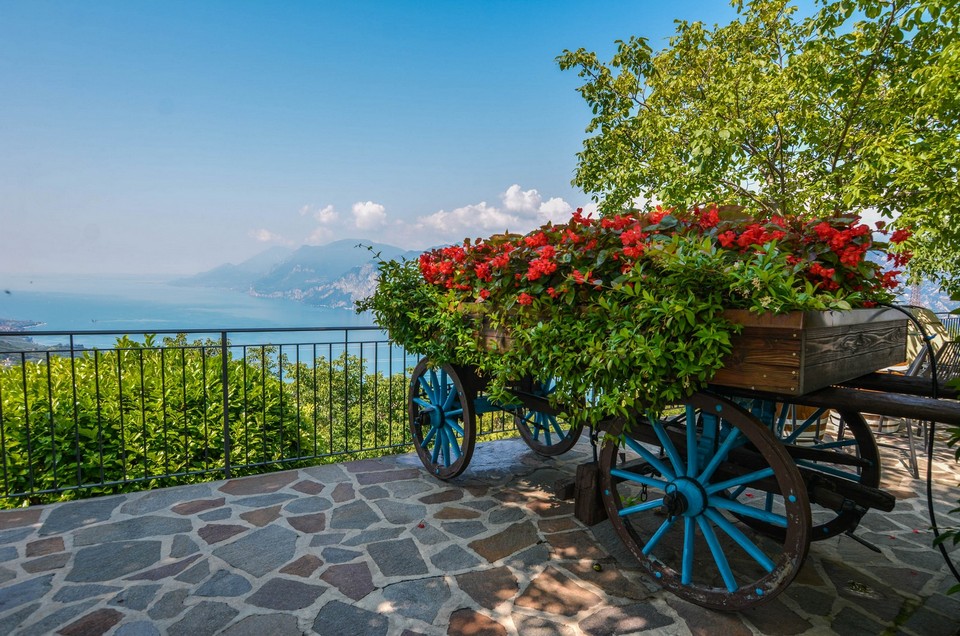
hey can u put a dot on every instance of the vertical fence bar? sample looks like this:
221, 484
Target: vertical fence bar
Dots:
316, 451
297, 388
96, 383
143, 416
163, 406
3, 443
52, 420
246, 405
76, 412
123, 442
225, 387
360, 396
346, 391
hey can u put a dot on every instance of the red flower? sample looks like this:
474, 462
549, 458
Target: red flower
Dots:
728, 238
524, 298
899, 236
484, 294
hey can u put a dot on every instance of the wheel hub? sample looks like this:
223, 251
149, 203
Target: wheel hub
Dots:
684, 497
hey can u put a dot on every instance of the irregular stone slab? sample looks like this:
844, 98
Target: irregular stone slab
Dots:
305, 505
47, 563
559, 524
308, 487
19, 517
610, 579
136, 598
456, 513
93, 624
339, 555
774, 617
429, 535
353, 516
137, 628
368, 465
199, 505
145, 527
164, 571
196, 574
374, 492
8, 553
259, 484
217, 532
811, 600
183, 546
370, 536
444, 496
261, 517
169, 605
850, 621
552, 508
12, 622
575, 546
216, 514
366, 479
262, 501
21, 593
163, 498
420, 599
530, 558
410, 488
464, 529
113, 560
339, 618
468, 621
400, 513
481, 504
453, 558
507, 515
343, 492
207, 617
397, 558
49, 623
353, 579
224, 583
535, 626
70, 516
489, 588
15, 536
874, 597
42, 547
625, 619
503, 544
283, 594
261, 551
309, 524
73, 593
304, 566
554, 593
326, 538
6, 575
263, 624
326, 474
704, 622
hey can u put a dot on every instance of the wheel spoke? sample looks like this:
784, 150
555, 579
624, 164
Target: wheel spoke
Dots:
749, 511
650, 458
641, 507
742, 540
691, 441
453, 413
720, 455
445, 438
742, 480
425, 405
438, 441
686, 574
455, 425
675, 460
429, 436
718, 555
659, 534
451, 396
640, 479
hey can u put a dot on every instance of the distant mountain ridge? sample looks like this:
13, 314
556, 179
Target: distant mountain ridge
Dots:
332, 275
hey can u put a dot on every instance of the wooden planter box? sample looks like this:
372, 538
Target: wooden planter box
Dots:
801, 352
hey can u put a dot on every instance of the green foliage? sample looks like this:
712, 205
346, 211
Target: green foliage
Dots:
141, 411
852, 109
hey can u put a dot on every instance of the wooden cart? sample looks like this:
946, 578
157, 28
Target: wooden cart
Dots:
721, 499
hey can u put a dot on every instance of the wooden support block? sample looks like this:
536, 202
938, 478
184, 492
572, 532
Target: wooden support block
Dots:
588, 506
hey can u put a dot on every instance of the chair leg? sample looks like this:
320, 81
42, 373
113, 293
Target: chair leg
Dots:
914, 467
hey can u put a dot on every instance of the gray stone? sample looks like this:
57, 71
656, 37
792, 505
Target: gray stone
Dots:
624, 619
264, 501
481, 504
850, 621
536, 626
453, 558
339, 555
530, 557
408, 489
13, 536
224, 583
326, 538
196, 574
429, 534
164, 571
374, 492
183, 546
326, 474
397, 558
261, 551
136, 598
370, 536
7, 575
357, 515
72, 515
113, 560
216, 515
341, 619
137, 628
49, 562
169, 605
72, 593
400, 513
162, 498
305, 505
265, 625
8, 553
283, 594
13, 621
205, 618
20, 593
507, 515
420, 599
464, 529
49, 623
131, 530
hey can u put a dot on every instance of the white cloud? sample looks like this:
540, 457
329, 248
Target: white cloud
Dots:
556, 210
469, 220
304, 210
517, 200
326, 215
264, 235
320, 236
369, 215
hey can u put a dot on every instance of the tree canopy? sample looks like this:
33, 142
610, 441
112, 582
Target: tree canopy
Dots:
851, 109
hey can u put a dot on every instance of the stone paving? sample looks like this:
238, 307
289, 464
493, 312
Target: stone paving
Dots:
378, 547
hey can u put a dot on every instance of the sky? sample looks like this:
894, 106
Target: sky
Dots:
171, 137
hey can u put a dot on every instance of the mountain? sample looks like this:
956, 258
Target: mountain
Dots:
332, 275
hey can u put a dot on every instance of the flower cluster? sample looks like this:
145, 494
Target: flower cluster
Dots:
829, 256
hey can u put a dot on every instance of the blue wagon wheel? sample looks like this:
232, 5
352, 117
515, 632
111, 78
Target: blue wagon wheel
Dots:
442, 421
545, 433
666, 491
849, 453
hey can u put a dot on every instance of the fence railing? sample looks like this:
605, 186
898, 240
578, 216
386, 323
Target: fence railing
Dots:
951, 322
103, 412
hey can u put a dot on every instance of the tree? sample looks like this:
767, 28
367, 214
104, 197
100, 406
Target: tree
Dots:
849, 110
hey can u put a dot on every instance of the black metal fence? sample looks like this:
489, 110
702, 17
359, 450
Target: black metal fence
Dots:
100, 412
951, 322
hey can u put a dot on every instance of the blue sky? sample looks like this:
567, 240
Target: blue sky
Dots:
170, 137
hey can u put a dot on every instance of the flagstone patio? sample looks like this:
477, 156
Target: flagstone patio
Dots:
381, 547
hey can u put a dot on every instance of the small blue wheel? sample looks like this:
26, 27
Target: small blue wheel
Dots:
545, 433
667, 493
442, 423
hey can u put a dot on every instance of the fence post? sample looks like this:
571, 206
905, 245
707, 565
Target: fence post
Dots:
225, 387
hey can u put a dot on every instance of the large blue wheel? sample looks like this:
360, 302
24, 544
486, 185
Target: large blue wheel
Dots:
442, 422
546, 433
669, 493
